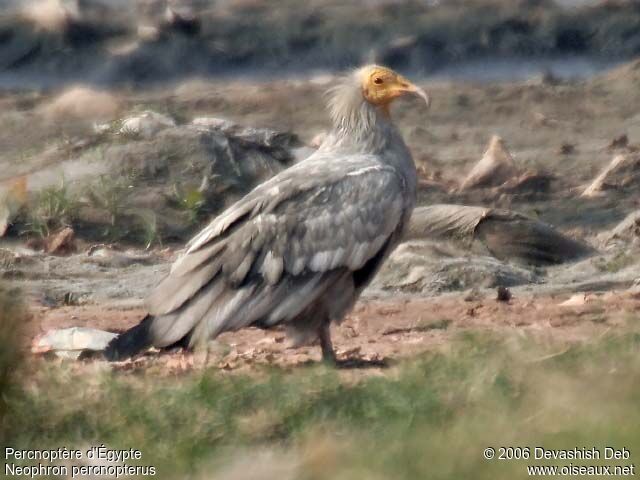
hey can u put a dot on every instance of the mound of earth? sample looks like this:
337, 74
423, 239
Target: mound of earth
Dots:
145, 175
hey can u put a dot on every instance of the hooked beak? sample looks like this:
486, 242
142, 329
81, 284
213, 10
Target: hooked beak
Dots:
411, 89
405, 87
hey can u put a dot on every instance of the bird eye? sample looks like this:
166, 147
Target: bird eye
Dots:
377, 80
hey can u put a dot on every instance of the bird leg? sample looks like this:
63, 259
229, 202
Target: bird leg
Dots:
324, 334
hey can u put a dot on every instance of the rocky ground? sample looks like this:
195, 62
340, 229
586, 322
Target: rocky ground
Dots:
102, 188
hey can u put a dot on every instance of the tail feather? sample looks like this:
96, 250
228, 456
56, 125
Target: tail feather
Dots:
131, 342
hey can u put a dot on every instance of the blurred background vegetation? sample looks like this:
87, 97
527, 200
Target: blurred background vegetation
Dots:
141, 42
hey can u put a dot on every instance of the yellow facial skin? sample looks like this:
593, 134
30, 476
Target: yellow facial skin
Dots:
380, 86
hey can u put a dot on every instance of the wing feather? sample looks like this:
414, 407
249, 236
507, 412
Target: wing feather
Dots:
175, 290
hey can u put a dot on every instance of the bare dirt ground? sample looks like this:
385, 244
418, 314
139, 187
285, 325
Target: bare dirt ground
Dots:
380, 332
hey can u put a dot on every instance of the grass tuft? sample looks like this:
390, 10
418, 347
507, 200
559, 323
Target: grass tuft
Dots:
53, 208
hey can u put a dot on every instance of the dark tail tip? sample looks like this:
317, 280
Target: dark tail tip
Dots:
133, 341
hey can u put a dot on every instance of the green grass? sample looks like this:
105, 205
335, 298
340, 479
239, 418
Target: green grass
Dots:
112, 195
427, 418
53, 208
191, 201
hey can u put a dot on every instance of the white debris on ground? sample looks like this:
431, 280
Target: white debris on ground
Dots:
146, 125
576, 300
72, 342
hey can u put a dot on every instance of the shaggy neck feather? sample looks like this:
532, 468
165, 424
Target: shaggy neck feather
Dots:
357, 124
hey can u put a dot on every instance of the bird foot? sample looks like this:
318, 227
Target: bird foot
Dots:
352, 359
329, 358
328, 354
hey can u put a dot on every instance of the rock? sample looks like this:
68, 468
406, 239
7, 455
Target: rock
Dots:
517, 237
622, 172
233, 158
72, 342
503, 294
445, 221
504, 234
146, 125
214, 123
418, 267
250, 134
495, 167
185, 174
61, 243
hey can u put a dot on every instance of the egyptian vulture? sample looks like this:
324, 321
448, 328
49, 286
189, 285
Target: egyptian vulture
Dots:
299, 249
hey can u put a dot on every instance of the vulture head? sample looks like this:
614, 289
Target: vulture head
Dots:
381, 85
365, 94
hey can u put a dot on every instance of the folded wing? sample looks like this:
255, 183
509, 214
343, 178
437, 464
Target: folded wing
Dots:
273, 253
